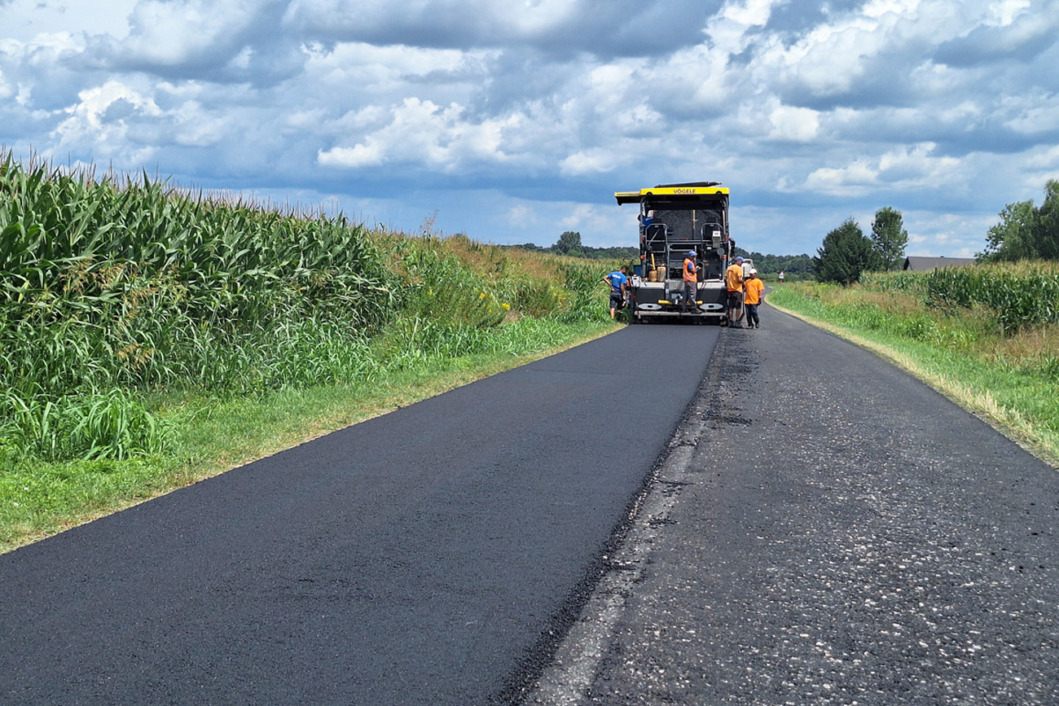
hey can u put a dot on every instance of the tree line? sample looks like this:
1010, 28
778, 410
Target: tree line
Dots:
569, 243
847, 252
1025, 232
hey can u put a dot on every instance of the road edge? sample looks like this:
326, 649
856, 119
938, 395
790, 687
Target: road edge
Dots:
575, 661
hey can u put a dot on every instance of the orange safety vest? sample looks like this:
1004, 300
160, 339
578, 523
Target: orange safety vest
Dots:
689, 270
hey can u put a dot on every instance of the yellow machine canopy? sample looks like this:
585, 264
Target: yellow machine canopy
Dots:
698, 192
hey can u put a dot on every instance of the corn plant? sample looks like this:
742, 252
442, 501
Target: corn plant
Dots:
907, 282
130, 284
1021, 295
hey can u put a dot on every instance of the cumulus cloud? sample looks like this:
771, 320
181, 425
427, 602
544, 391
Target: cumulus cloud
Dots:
508, 117
854, 179
794, 124
420, 132
1012, 29
103, 116
611, 28
597, 161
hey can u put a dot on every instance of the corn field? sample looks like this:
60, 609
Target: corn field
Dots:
114, 288
1021, 294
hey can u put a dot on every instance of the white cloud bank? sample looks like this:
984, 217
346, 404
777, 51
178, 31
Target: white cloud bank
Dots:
517, 122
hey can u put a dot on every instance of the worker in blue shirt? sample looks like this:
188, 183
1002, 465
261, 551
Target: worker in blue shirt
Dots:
619, 284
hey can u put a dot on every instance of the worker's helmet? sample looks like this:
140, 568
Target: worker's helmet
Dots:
691, 253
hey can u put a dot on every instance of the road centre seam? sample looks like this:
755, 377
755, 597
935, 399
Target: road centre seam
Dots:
576, 661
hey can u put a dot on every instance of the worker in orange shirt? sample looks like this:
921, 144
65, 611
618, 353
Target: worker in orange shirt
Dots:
753, 295
733, 280
690, 278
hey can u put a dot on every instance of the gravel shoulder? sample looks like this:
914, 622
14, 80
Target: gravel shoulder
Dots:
825, 529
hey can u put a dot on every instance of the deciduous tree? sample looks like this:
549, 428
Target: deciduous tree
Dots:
1012, 238
1026, 232
569, 243
844, 255
1047, 226
889, 237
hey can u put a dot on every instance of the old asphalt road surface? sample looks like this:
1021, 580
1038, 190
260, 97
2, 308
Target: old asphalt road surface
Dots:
826, 530
431, 556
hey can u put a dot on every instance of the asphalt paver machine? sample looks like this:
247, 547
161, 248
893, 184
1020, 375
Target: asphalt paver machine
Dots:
675, 219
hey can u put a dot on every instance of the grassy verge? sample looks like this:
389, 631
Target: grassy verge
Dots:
1009, 380
151, 336
208, 436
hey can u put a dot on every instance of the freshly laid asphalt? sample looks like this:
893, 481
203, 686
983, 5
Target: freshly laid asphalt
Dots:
808, 526
434, 555
825, 530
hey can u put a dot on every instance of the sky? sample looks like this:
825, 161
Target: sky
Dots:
513, 121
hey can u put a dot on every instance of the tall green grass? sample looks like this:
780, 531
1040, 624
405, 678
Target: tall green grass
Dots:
116, 290
109, 425
150, 336
1020, 295
115, 287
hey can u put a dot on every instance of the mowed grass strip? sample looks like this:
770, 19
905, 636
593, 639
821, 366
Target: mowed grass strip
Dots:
151, 336
207, 436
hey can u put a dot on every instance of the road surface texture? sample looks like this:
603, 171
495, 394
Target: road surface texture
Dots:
825, 530
431, 556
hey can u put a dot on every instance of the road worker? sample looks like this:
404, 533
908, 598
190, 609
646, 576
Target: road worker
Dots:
753, 294
690, 278
619, 285
733, 280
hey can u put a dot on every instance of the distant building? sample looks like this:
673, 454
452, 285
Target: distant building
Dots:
926, 264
